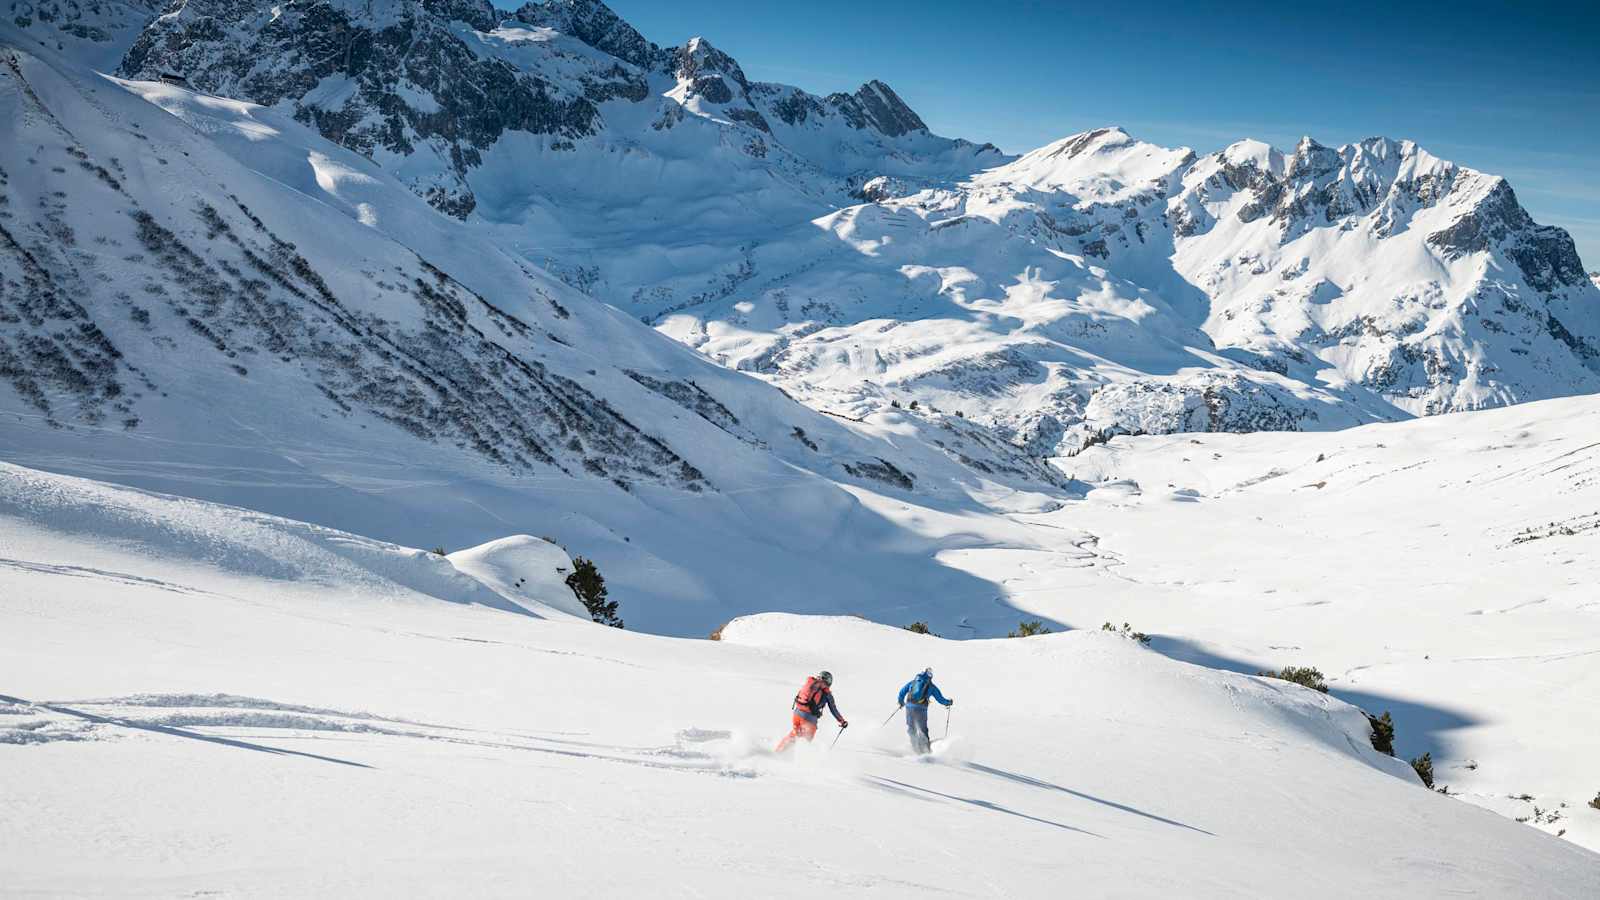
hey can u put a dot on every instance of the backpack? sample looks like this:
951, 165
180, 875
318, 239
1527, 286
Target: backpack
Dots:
921, 688
811, 696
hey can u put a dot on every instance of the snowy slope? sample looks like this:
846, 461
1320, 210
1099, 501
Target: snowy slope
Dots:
206, 298
1441, 569
179, 719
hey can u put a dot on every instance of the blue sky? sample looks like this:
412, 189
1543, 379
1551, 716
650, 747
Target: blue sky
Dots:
1512, 89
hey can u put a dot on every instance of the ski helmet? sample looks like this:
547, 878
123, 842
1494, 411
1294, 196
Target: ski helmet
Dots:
826, 676
928, 671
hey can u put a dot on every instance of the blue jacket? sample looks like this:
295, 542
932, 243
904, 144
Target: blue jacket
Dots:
917, 691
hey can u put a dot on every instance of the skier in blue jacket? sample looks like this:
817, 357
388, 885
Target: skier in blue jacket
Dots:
914, 698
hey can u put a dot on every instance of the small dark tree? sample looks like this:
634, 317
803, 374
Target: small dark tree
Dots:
1424, 766
1028, 629
1127, 631
1305, 676
590, 587
919, 628
440, 551
1595, 802
1382, 733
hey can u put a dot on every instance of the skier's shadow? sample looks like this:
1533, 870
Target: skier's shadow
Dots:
900, 787
1034, 782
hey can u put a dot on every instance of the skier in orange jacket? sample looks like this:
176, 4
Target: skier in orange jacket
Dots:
816, 693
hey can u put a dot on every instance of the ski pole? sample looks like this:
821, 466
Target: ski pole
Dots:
891, 715
947, 711
836, 739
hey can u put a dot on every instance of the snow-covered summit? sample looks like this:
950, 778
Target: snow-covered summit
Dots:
1106, 165
1105, 284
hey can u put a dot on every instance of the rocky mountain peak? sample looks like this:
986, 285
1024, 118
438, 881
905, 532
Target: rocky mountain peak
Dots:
1312, 159
699, 62
875, 105
480, 14
597, 25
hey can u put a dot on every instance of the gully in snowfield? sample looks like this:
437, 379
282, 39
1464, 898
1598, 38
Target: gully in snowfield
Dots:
816, 693
914, 697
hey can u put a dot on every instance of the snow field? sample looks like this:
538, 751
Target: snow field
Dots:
179, 724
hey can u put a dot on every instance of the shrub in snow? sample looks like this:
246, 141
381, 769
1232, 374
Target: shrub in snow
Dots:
919, 628
1127, 631
1424, 766
1595, 802
439, 551
1028, 629
590, 587
717, 635
1306, 676
1382, 733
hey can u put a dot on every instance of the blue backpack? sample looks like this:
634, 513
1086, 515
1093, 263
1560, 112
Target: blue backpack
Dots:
920, 689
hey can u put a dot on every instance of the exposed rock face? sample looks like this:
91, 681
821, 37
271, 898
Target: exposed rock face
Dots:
1219, 402
98, 31
876, 105
385, 84
594, 23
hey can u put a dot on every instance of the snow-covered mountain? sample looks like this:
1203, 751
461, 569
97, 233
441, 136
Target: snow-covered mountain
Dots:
202, 296
1104, 283
836, 247
477, 109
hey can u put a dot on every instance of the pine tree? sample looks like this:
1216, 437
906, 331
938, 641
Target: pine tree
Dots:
1305, 676
590, 587
1382, 733
1424, 766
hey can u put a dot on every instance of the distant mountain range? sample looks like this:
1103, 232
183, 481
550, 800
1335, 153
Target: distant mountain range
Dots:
834, 247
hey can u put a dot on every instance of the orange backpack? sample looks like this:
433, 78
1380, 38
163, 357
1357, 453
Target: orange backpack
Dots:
811, 696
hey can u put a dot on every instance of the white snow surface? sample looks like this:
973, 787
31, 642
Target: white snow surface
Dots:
180, 718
